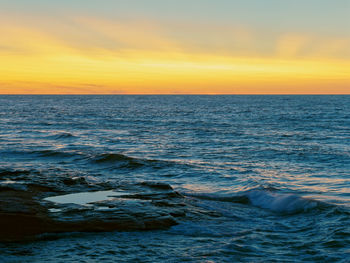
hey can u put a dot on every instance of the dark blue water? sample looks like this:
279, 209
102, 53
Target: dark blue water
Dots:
287, 157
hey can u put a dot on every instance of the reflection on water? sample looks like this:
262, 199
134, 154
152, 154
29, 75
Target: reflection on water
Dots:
85, 198
250, 168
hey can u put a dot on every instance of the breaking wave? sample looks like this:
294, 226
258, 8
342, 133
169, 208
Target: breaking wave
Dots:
282, 203
286, 203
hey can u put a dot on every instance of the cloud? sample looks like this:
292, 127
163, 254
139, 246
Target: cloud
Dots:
293, 45
82, 54
333, 47
93, 36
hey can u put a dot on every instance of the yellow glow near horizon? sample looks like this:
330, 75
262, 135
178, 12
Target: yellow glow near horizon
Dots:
143, 73
34, 62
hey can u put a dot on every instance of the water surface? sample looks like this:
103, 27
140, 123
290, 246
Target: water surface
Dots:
272, 172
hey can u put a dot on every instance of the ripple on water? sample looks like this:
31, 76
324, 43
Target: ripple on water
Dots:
268, 174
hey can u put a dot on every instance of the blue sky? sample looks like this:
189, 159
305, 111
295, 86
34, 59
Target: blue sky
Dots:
312, 15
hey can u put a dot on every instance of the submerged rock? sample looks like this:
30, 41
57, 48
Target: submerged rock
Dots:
74, 180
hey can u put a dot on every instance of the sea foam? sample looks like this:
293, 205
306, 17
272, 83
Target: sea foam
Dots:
280, 202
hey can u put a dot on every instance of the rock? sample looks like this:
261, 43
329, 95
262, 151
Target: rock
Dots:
21, 217
157, 185
28, 212
74, 180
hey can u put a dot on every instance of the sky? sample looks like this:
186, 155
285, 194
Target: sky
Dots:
175, 47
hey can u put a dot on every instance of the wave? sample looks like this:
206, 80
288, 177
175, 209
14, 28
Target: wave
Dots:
112, 160
281, 202
54, 153
58, 155
13, 173
267, 199
124, 161
112, 157
116, 158
62, 135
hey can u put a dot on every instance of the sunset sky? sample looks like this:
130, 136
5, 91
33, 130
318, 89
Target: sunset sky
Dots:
175, 47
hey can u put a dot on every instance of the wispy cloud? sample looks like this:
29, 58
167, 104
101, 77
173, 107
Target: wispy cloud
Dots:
89, 54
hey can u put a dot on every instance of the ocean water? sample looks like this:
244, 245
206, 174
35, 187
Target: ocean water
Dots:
272, 173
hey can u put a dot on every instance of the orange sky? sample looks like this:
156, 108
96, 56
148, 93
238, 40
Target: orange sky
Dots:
92, 54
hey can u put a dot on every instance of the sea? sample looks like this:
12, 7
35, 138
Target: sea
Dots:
271, 172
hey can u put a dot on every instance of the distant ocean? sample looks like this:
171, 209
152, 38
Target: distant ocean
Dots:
264, 178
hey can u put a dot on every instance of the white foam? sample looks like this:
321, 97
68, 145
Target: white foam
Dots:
280, 202
54, 210
8, 181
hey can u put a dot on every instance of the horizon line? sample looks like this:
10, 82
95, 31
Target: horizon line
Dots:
173, 94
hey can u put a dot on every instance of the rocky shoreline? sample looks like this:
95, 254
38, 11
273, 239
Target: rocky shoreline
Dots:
28, 209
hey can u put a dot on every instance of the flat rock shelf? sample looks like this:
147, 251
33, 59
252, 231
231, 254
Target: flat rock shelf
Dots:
29, 210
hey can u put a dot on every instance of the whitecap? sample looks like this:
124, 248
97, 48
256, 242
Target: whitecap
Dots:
280, 202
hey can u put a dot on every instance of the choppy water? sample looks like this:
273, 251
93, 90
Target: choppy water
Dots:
274, 171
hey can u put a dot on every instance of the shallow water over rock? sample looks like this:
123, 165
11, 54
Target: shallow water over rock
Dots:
37, 210
85, 198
